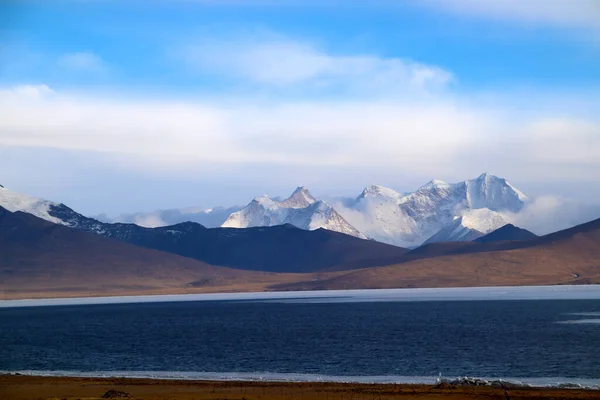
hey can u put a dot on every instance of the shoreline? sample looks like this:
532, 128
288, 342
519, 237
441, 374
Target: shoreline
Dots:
539, 292
292, 378
25, 387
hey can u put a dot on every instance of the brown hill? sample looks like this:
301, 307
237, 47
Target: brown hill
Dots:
571, 256
42, 259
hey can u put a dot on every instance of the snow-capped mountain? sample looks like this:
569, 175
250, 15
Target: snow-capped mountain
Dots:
437, 210
21, 202
301, 209
210, 218
51, 211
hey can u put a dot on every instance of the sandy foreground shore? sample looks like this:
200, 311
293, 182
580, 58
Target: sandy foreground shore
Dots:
34, 387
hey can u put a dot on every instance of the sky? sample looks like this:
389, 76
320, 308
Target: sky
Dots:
122, 106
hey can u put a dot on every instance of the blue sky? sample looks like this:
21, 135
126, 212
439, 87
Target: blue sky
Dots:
103, 101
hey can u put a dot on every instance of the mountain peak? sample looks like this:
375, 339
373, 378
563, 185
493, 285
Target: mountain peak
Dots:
300, 189
378, 191
495, 193
487, 179
435, 183
300, 198
263, 200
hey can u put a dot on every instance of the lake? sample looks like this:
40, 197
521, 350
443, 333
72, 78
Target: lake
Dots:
372, 336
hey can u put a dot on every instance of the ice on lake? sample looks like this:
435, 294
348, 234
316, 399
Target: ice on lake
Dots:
561, 292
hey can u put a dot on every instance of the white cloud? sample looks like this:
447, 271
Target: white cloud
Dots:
572, 13
84, 61
27, 92
326, 133
547, 214
441, 138
281, 61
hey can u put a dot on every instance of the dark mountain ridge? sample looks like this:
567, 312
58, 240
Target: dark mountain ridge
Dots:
283, 248
508, 232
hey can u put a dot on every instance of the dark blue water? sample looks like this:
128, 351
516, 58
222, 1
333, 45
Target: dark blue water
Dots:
476, 338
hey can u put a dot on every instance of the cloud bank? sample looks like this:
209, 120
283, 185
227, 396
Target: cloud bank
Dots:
439, 135
547, 214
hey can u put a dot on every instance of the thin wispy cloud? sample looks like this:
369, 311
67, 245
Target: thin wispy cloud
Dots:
283, 62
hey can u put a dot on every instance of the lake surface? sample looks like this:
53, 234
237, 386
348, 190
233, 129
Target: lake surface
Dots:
293, 337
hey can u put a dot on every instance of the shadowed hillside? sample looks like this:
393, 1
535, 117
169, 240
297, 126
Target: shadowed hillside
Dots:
508, 232
282, 248
38, 257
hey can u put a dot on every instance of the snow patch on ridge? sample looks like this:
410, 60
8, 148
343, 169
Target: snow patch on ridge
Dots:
21, 202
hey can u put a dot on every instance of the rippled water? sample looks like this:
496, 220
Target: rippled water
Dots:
314, 338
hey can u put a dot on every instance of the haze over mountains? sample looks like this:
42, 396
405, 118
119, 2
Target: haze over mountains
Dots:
210, 217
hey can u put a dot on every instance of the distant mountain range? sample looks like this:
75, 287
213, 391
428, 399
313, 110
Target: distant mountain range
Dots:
437, 211
283, 248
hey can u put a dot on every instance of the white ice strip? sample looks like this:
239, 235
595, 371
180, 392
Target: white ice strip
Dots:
293, 377
559, 292
580, 321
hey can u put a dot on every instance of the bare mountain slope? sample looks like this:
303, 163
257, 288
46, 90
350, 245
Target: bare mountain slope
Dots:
571, 256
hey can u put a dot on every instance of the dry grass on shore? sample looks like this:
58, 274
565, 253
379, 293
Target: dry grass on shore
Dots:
31, 387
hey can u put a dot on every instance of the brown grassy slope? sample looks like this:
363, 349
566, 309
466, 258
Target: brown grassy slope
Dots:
37, 257
570, 256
